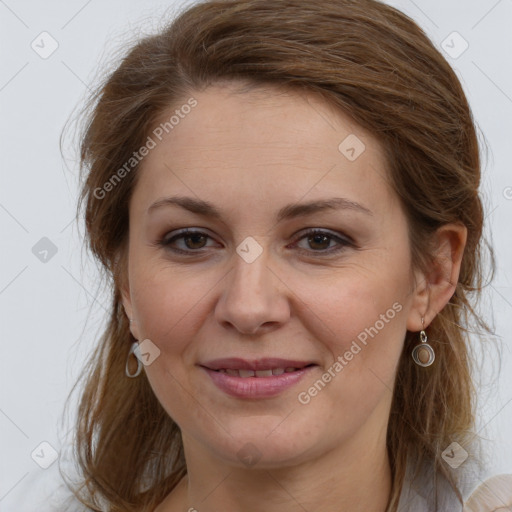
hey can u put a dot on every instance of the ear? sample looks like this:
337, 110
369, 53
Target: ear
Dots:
126, 295
127, 304
435, 287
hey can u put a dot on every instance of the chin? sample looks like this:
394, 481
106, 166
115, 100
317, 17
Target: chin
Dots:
265, 443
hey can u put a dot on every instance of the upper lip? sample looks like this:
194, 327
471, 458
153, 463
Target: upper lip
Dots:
267, 363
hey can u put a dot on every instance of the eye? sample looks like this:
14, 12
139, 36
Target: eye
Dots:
320, 241
192, 239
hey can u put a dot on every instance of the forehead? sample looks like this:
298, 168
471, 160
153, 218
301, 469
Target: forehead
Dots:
252, 142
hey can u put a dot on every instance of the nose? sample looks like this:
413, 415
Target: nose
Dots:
254, 298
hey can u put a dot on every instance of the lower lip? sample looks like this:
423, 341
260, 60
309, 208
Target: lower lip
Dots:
256, 387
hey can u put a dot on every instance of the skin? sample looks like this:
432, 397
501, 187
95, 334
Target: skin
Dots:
249, 155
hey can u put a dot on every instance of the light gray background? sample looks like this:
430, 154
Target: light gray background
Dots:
45, 305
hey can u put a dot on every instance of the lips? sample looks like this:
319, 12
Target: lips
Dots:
262, 378
234, 363
256, 373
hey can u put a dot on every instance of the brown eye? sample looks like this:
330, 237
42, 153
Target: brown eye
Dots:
191, 241
319, 241
195, 240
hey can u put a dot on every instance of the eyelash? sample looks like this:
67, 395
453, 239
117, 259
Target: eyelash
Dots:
343, 241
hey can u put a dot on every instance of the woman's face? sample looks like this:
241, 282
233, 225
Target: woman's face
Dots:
271, 279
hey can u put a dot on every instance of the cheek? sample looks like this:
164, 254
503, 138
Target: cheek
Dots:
168, 306
367, 326
354, 304
359, 316
166, 300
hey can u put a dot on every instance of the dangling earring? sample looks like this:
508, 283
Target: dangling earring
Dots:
423, 354
139, 363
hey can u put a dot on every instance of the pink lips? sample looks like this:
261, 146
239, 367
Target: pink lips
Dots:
262, 378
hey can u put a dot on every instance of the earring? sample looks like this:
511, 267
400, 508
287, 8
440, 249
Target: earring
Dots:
134, 346
423, 354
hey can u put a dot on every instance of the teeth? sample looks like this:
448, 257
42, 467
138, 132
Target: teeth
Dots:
263, 373
257, 373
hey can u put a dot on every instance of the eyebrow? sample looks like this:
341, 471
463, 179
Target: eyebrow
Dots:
207, 209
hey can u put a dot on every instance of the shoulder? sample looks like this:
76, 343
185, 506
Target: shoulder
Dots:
425, 489
493, 494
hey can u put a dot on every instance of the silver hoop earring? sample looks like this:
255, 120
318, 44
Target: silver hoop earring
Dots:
423, 353
139, 363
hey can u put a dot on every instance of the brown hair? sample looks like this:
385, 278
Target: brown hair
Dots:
368, 60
